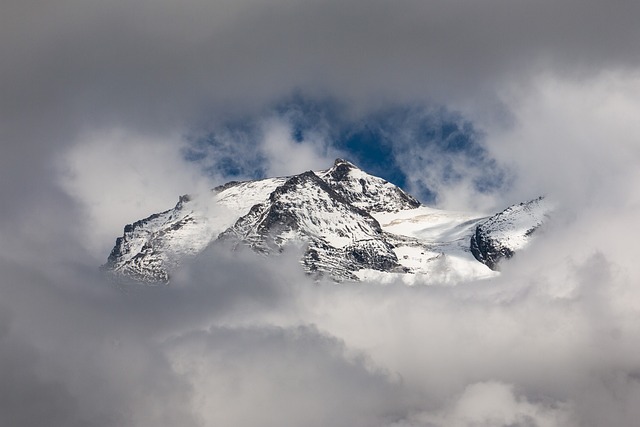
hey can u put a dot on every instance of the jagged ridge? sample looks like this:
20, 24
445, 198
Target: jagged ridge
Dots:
341, 238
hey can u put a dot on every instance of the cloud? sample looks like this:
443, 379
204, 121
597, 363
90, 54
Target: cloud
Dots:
574, 140
170, 62
434, 153
169, 68
118, 177
49, 399
239, 331
293, 376
285, 156
550, 342
494, 404
96, 100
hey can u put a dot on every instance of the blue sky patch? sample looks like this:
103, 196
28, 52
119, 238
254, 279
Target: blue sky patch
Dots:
393, 143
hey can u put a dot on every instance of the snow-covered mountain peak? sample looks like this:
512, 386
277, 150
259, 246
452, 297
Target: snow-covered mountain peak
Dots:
352, 226
341, 169
366, 191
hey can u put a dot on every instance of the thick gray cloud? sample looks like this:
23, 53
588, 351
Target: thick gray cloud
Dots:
95, 99
155, 66
176, 57
73, 63
242, 340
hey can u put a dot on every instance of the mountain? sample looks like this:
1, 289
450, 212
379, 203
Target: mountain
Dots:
352, 225
508, 231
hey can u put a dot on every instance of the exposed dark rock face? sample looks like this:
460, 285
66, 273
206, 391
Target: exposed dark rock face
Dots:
365, 191
123, 245
145, 252
500, 236
487, 250
341, 238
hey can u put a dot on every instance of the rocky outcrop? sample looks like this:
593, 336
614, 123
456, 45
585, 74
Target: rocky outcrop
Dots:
340, 237
365, 191
500, 236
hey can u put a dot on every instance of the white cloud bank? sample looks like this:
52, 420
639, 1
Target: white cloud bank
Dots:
240, 340
284, 156
118, 177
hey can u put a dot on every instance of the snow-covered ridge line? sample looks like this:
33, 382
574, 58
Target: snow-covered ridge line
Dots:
353, 226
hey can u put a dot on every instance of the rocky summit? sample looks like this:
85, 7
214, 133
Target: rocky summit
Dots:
351, 225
